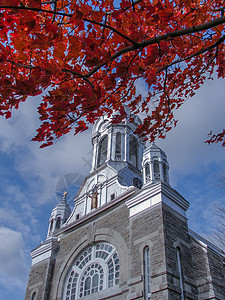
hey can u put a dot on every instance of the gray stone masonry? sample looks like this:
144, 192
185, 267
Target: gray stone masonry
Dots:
209, 271
159, 227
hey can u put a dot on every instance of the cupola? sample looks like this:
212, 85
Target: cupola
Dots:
155, 165
59, 215
116, 143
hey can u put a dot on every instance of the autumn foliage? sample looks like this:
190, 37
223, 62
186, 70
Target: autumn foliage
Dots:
86, 57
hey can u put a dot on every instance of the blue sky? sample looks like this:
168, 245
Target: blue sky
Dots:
29, 176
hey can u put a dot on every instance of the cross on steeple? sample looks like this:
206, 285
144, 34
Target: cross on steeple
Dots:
64, 195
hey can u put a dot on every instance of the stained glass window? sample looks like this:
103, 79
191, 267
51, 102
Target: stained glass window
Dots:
95, 269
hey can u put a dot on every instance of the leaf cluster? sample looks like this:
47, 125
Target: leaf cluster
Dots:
89, 56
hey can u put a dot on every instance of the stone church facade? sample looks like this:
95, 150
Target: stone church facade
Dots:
127, 236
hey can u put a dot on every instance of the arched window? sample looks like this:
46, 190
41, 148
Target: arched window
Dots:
147, 273
95, 269
58, 222
147, 172
118, 146
34, 296
165, 177
180, 273
51, 225
156, 169
102, 151
133, 151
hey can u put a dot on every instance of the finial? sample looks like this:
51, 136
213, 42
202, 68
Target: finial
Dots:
64, 195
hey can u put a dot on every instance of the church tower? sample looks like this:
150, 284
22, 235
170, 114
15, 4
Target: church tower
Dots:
127, 236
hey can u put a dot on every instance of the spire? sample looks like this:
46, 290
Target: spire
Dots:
155, 165
59, 215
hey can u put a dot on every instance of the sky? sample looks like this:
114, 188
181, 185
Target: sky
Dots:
32, 178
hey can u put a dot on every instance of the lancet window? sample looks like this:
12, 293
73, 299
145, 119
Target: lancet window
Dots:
180, 273
118, 146
165, 177
34, 296
156, 169
147, 273
102, 151
133, 151
58, 223
95, 269
147, 172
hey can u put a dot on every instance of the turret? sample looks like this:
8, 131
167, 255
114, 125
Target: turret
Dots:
155, 165
59, 216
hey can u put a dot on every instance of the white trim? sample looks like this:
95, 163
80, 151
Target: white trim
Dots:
44, 251
205, 243
152, 194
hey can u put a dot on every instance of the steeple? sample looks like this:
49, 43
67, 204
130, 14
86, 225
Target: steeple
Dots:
59, 215
155, 165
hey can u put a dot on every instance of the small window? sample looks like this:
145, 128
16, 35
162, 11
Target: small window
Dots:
147, 273
165, 177
34, 296
118, 146
133, 151
102, 151
57, 226
147, 172
112, 196
180, 273
77, 216
51, 225
156, 169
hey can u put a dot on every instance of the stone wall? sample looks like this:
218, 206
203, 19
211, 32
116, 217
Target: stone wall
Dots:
177, 237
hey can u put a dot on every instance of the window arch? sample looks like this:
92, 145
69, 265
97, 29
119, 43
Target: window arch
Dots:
58, 223
147, 172
118, 146
51, 225
102, 151
95, 269
133, 151
147, 274
34, 296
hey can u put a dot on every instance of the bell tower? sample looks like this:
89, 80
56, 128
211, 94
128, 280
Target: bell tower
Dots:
116, 144
116, 165
155, 165
59, 216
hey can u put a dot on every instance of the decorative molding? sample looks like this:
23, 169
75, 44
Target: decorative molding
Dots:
152, 194
45, 250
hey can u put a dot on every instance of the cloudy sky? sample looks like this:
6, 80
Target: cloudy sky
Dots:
31, 176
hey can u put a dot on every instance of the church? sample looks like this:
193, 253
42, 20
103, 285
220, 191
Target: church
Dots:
127, 236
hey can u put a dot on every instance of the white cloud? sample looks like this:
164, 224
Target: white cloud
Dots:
185, 147
12, 258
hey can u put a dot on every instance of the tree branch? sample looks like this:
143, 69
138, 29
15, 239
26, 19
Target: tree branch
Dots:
70, 15
84, 77
160, 38
20, 65
193, 55
111, 28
